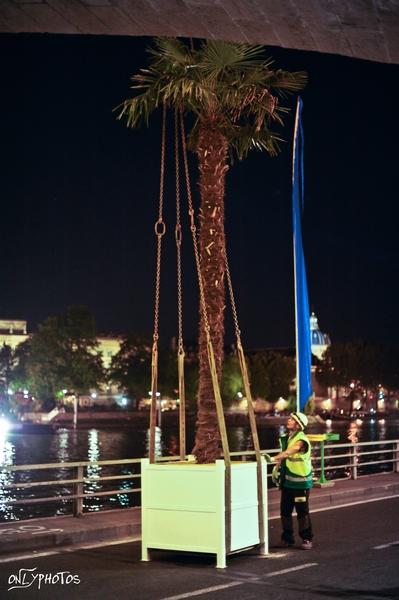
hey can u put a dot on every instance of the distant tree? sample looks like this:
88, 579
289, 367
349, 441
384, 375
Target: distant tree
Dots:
7, 363
340, 367
259, 377
20, 377
291, 404
131, 371
390, 367
364, 366
231, 383
63, 353
271, 374
130, 367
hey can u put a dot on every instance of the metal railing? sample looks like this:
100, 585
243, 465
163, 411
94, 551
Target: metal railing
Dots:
335, 461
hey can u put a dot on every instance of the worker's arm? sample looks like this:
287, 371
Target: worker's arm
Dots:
297, 447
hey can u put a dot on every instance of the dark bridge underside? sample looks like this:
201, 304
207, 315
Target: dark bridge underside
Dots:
365, 29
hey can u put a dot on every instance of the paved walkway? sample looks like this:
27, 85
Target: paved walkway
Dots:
35, 535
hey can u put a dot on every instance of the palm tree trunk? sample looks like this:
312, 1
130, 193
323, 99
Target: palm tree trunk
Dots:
212, 151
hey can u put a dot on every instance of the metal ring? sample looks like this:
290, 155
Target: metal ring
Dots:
160, 224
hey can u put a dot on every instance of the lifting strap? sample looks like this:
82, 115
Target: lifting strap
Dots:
180, 345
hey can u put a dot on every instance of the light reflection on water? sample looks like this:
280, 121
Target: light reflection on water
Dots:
92, 504
158, 442
95, 445
7, 455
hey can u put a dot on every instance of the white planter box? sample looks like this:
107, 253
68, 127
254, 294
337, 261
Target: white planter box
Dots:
183, 507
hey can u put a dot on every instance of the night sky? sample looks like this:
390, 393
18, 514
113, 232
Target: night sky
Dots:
80, 191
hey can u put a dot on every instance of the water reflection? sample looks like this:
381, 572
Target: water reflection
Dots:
158, 442
382, 430
93, 445
239, 438
7, 458
93, 471
59, 447
373, 430
62, 445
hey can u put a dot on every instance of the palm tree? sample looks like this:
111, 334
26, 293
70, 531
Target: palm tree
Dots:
233, 94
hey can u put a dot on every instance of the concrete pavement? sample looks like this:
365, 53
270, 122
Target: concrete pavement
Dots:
355, 556
101, 528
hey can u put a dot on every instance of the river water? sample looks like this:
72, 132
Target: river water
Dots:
66, 445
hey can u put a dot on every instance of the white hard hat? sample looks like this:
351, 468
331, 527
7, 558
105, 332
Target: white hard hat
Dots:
301, 419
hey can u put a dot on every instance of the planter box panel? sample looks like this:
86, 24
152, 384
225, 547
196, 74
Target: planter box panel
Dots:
168, 486
183, 508
190, 531
243, 483
244, 528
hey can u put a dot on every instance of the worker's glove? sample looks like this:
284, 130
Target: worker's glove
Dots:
267, 457
276, 475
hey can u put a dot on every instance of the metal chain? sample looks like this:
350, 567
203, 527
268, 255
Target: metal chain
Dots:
180, 345
160, 229
232, 299
178, 237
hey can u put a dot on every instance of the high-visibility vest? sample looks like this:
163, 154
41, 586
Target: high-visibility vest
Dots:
297, 468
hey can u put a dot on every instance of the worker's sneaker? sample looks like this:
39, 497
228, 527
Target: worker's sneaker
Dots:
285, 544
306, 545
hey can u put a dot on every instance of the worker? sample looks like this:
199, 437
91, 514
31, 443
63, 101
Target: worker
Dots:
294, 469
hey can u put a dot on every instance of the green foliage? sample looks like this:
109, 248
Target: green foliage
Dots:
63, 354
20, 378
191, 378
231, 382
131, 367
364, 362
309, 407
230, 82
291, 404
7, 363
271, 374
131, 371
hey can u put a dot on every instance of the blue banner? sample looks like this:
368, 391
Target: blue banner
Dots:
302, 317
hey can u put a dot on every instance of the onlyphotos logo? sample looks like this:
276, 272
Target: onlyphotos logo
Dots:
31, 578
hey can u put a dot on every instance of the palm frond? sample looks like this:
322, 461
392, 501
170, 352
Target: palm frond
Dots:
171, 50
138, 109
248, 138
218, 57
286, 80
231, 81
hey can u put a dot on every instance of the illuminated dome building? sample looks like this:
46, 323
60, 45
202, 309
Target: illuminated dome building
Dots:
319, 341
322, 397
